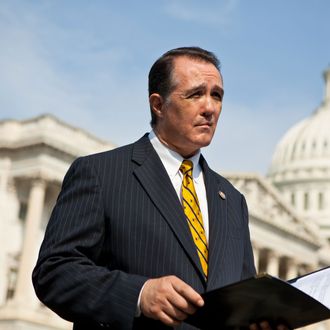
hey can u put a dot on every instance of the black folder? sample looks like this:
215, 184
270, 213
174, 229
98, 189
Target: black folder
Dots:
263, 297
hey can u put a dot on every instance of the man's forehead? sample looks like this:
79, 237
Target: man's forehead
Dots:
184, 66
184, 59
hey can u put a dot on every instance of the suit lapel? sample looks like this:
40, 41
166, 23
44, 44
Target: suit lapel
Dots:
218, 225
154, 179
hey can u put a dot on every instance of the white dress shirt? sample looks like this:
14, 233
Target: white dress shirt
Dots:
172, 162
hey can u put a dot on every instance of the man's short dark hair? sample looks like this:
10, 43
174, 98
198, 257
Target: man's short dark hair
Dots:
160, 74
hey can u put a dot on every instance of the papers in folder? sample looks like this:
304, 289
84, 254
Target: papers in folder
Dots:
316, 285
297, 303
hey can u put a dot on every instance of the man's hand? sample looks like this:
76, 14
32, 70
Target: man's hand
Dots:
169, 300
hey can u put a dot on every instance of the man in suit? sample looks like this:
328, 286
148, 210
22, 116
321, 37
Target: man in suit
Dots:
119, 250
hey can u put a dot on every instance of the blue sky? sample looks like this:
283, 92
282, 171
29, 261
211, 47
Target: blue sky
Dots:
87, 63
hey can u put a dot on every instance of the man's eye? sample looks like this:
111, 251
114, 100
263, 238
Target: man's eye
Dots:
218, 96
195, 95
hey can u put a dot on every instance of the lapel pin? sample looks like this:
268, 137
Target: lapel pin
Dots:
222, 195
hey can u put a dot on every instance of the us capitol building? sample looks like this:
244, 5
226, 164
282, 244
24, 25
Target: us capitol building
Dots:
289, 208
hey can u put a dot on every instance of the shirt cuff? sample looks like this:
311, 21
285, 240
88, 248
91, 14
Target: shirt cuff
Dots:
138, 309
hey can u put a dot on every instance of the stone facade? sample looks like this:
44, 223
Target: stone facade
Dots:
284, 244
300, 167
34, 157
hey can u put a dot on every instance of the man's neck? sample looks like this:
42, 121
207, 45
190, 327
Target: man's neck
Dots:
185, 155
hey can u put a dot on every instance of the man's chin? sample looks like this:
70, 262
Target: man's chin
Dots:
202, 144
204, 140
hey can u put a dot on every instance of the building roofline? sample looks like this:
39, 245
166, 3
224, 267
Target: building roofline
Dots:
58, 121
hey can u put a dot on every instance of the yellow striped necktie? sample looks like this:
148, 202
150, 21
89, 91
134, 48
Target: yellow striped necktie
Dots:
193, 213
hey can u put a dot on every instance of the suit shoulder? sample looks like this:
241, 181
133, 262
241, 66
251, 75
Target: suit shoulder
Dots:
128, 151
119, 152
135, 151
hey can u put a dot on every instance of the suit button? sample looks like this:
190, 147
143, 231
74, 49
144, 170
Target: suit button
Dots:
104, 325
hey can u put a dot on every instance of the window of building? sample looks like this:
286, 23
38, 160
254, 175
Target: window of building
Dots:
306, 201
12, 277
293, 151
22, 210
314, 147
303, 147
321, 201
293, 199
325, 147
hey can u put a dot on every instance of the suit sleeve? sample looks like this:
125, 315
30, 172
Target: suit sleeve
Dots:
248, 262
71, 276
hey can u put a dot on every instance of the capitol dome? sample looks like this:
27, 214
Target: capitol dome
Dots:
300, 167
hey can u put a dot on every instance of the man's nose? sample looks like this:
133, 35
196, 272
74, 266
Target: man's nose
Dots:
209, 105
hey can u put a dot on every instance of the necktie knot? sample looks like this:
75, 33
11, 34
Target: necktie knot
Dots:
186, 166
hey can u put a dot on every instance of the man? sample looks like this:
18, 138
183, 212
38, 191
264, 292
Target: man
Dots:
119, 250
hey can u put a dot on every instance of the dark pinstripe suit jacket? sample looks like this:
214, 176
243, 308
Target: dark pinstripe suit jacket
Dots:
117, 222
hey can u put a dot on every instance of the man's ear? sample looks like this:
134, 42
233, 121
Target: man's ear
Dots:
156, 104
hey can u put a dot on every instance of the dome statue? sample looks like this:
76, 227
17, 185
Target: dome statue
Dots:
300, 166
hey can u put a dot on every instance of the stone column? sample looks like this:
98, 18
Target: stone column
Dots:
292, 269
309, 268
272, 264
24, 292
256, 255
5, 165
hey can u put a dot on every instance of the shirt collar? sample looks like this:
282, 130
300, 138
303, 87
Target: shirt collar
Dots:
171, 159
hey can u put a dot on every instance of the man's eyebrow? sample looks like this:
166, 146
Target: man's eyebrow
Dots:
202, 87
195, 89
219, 89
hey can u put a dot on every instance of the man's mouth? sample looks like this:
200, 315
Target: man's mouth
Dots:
204, 124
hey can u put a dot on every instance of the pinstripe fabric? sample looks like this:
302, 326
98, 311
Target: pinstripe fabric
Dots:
105, 238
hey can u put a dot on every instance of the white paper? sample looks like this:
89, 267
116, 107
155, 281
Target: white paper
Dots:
316, 284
